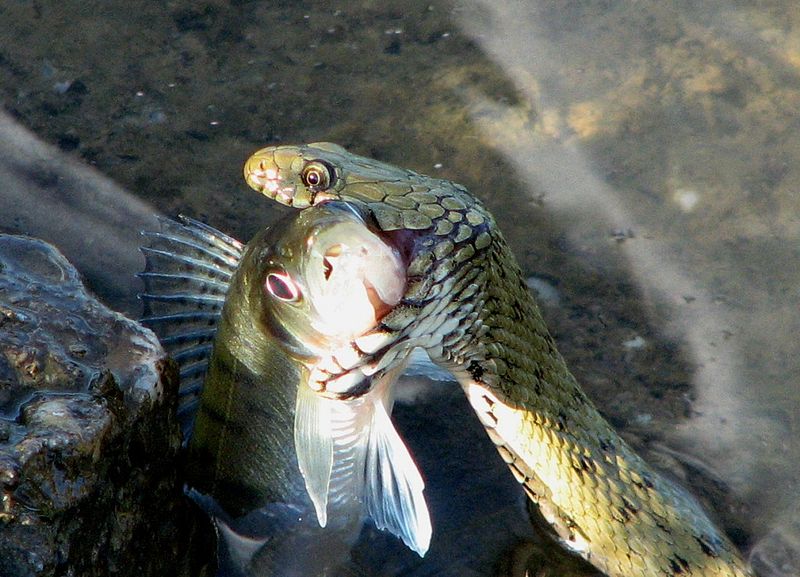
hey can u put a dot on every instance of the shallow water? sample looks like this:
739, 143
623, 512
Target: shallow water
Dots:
642, 159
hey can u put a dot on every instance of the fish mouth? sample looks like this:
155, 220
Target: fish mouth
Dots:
379, 306
370, 271
354, 275
382, 292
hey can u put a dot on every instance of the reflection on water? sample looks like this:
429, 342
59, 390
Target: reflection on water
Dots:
643, 159
746, 406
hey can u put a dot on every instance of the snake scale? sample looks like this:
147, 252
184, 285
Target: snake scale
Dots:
467, 305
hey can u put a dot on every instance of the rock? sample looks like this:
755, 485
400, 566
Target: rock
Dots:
89, 441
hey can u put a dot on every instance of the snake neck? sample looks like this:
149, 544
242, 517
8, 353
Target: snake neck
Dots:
600, 498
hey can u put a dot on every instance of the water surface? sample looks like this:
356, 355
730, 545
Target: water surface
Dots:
641, 157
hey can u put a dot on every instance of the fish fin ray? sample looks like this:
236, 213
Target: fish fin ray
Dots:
183, 278
183, 245
314, 447
188, 267
193, 337
394, 486
197, 352
212, 236
188, 299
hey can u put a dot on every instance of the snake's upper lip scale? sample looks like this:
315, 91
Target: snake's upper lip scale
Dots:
268, 181
264, 179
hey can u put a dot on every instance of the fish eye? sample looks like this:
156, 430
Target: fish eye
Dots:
282, 287
317, 175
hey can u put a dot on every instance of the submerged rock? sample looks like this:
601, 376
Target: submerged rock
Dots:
89, 440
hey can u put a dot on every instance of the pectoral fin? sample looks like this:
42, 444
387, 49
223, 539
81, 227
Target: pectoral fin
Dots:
314, 447
394, 485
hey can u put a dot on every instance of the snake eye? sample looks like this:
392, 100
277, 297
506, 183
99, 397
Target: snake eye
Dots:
282, 287
317, 175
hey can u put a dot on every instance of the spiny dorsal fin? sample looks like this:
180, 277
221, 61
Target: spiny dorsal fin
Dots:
188, 268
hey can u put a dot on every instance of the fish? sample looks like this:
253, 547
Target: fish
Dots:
467, 305
253, 327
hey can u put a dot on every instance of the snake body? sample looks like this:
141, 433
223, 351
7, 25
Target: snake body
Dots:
467, 305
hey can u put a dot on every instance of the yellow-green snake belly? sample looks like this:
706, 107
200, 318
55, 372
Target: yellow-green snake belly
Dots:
467, 304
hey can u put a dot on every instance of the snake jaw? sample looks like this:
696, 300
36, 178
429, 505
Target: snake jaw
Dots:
264, 174
261, 178
268, 181
275, 173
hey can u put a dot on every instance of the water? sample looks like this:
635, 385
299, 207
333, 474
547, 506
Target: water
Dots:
640, 157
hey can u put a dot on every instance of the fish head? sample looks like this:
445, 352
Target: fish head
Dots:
398, 207
324, 277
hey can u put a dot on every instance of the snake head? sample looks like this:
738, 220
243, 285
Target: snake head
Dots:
306, 175
294, 176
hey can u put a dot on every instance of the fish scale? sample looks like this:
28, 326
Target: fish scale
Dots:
600, 498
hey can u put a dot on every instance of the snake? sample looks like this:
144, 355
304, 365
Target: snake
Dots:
467, 304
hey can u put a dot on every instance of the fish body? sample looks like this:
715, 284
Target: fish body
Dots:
255, 493
467, 305
264, 318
